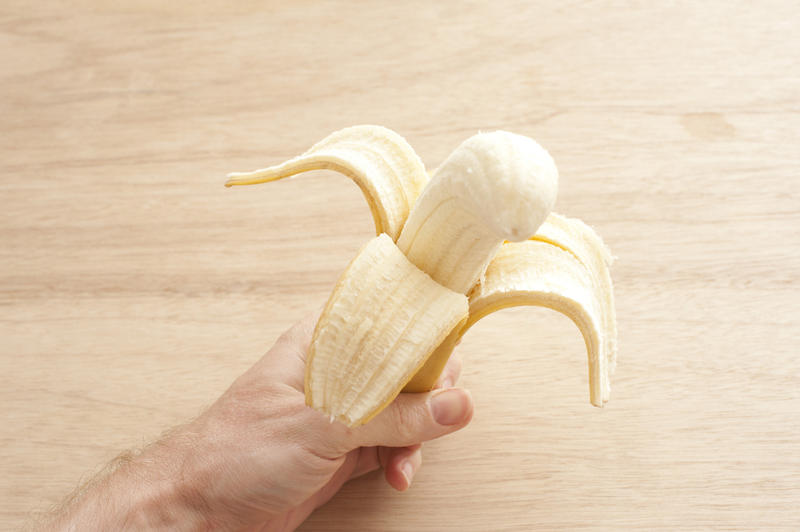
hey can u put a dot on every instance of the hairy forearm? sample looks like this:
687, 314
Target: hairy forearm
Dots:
144, 490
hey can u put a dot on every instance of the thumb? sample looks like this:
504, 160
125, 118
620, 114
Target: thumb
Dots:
417, 417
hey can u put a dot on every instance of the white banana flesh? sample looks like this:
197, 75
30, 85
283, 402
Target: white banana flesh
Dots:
398, 311
383, 319
383, 165
494, 187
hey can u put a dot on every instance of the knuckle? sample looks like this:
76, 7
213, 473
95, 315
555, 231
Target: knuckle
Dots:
286, 337
405, 421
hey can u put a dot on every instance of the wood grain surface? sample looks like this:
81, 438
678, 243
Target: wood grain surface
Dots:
134, 287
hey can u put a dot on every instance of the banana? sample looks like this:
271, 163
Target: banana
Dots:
476, 237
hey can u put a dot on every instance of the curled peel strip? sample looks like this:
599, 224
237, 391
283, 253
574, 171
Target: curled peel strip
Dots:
381, 162
563, 267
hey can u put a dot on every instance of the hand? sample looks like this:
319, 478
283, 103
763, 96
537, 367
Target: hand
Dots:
260, 459
267, 459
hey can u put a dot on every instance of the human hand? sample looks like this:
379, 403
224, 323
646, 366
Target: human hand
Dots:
260, 459
268, 460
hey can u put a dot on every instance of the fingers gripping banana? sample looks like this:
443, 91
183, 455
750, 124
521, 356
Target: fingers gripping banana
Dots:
476, 238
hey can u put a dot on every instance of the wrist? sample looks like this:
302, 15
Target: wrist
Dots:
161, 495
147, 491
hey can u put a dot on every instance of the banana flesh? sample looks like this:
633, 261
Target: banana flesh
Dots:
381, 162
494, 187
480, 227
383, 319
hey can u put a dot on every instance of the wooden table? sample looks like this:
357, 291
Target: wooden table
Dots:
134, 288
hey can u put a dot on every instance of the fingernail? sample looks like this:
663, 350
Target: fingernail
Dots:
447, 383
450, 407
408, 472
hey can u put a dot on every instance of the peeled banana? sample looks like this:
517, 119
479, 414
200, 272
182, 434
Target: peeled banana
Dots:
476, 237
494, 187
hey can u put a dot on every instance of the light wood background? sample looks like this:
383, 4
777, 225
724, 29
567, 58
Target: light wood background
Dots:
134, 288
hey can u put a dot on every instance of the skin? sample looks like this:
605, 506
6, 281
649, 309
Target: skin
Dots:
259, 459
